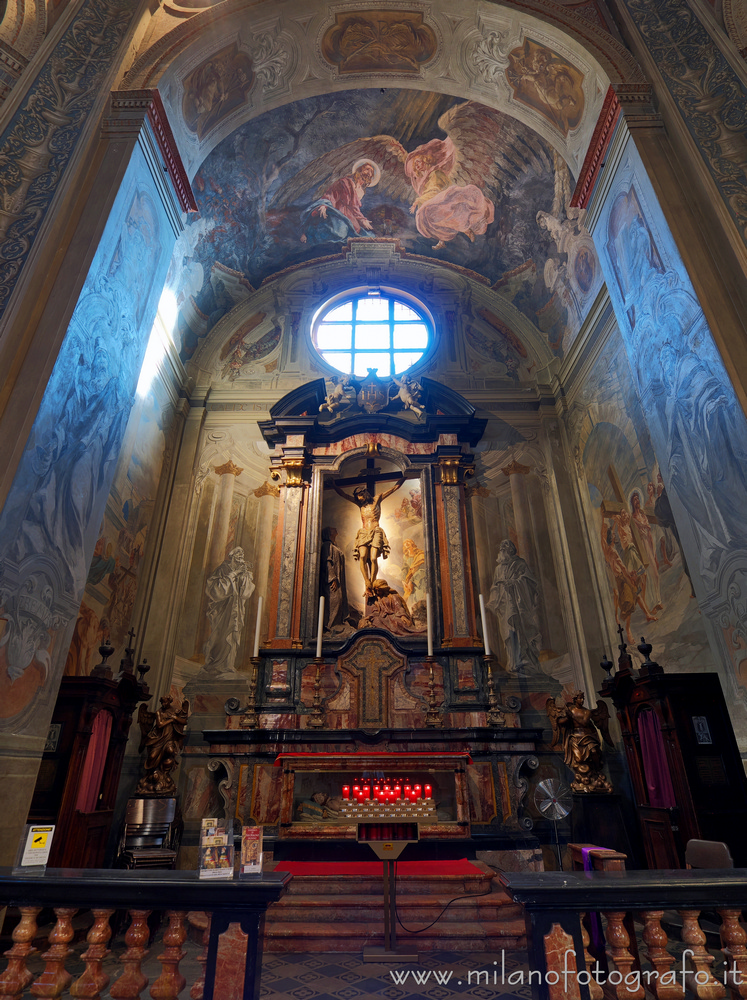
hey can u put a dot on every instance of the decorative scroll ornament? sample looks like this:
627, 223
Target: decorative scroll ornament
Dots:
270, 59
490, 57
37, 146
709, 95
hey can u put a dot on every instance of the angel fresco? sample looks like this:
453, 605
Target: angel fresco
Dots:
449, 184
574, 731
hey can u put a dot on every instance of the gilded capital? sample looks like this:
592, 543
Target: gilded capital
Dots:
294, 471
514, 467
228, 468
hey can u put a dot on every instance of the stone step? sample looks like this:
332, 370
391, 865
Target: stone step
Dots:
418, 908
367, 885
469, 936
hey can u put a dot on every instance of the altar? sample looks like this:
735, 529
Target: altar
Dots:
371, 675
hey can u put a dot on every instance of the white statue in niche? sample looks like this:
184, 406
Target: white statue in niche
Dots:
228, 589
514, 599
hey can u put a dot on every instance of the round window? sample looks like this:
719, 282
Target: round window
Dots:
365, 331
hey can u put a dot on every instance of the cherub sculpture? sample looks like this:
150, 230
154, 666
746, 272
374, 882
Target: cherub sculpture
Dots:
337, 395
410, 394
574, 732
162, 739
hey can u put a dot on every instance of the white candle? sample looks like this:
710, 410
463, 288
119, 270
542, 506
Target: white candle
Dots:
485, 638
321, 626
429, 622
255, 654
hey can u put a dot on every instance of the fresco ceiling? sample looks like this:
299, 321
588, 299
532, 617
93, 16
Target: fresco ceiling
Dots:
452, 180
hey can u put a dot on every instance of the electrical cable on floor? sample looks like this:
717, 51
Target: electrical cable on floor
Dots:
471, 895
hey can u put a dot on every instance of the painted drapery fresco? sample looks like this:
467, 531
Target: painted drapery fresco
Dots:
453, 180
49, 525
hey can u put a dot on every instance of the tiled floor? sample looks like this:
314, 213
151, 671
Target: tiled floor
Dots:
437, 975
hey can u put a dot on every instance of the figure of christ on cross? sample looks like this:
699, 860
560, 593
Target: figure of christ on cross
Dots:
370, 542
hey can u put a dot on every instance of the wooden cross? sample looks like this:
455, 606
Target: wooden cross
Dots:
370, 477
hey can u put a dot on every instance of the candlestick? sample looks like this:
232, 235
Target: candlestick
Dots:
429, 623
255, 654
319, 631
485, 638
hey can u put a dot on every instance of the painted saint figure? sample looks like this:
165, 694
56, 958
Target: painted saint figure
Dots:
333, 585
337, 214
641, 520
228, 589
370, 542
514, 600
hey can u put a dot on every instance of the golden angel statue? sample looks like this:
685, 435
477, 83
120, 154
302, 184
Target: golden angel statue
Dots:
574, 732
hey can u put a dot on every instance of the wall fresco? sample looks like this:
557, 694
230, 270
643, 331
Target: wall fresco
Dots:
452, 180
50, 523
113, 576
636, 539
697, 427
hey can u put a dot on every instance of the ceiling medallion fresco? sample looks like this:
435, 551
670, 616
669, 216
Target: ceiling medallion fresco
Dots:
381, 41
545, 81
451, 180
216, 88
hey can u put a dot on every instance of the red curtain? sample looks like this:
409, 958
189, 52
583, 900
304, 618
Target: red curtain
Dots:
655, 767
93, 768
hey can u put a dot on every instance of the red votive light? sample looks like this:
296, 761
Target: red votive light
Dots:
397, 791
417, 789
407, 791
346, 791
429, 791
366, 791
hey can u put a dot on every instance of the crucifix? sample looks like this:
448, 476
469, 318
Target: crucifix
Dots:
370, 542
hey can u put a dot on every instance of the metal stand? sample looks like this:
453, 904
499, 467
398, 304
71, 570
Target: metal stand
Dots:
389, 851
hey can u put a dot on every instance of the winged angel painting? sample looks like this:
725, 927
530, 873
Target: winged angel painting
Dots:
449, 184
451, 179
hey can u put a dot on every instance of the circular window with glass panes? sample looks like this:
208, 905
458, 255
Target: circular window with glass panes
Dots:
385, 330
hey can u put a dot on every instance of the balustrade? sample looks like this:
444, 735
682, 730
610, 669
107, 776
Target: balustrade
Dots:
103, 892
555, 904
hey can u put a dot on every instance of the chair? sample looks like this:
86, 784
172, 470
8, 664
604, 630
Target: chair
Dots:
150, 834
708, 854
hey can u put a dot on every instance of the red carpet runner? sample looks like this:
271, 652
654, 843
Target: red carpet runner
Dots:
423, 869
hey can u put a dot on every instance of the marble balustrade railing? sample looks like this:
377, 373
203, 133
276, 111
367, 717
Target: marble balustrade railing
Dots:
138, 892
567, 963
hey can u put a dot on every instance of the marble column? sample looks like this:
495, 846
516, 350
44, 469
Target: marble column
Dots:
455, 570
516, 474
227, 474
284, 603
